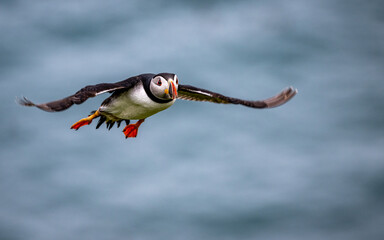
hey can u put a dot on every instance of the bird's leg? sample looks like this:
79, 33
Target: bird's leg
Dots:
130, 131
85, 121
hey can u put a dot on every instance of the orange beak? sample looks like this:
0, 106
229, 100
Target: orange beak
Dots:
172, 89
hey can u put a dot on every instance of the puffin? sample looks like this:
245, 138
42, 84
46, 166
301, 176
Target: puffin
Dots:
141, 96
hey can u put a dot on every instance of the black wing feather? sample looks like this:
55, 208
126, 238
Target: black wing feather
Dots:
82, 95
191, 93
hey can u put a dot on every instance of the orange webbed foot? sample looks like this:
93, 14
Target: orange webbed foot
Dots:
85, 121
130, 131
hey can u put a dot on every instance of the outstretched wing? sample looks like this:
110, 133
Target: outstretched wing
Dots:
187, 92
82, 95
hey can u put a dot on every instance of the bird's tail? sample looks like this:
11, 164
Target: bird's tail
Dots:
108, 122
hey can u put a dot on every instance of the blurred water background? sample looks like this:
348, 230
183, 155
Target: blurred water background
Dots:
311, 169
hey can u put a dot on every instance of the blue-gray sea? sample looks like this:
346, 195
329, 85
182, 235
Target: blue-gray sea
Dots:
312, 169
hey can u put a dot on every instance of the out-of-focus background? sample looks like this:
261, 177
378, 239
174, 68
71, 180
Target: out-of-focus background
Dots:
311, 169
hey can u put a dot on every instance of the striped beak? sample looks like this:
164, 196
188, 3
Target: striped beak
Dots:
172, 91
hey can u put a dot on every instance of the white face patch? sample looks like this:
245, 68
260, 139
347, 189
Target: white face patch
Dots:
159, 87
176, 81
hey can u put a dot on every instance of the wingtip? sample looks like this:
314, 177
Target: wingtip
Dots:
295, 90
290, 93
286, 95
23, 101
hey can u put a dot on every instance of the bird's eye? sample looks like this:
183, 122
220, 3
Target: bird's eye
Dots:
159, 82
177, 81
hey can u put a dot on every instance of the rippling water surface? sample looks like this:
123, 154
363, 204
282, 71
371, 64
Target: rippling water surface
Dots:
311, 169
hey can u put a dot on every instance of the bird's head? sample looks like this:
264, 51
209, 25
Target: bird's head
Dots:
164, 86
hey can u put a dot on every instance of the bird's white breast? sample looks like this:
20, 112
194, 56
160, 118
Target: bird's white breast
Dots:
134, 104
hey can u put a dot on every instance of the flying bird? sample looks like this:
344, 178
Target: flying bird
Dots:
142, 96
